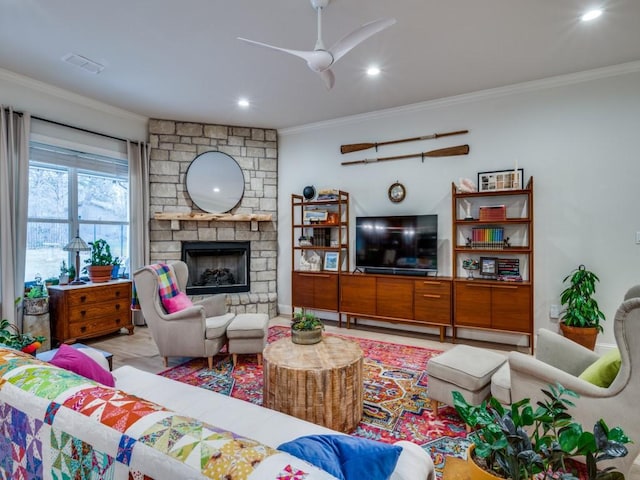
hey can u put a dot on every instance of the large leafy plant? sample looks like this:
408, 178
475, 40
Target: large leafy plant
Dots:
581, 309
101, 254
519, 441
11, 336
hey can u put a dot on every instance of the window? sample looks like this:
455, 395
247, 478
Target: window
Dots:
71, 192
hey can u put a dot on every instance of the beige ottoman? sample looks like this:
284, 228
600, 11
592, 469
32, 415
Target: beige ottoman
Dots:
465, 369
247, 333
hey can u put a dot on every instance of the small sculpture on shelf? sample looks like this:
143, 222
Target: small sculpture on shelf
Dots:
470, 264
312, 264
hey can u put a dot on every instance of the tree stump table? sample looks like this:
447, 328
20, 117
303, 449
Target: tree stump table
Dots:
320, 383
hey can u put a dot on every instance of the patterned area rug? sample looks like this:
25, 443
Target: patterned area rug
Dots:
396, 405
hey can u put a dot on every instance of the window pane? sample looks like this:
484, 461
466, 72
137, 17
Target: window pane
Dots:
45, 243
102, 198
117, 236
48, 192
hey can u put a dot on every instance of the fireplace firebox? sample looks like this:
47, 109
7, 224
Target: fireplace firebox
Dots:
217, 267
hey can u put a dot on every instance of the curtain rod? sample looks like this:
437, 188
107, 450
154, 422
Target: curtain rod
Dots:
83, 129
79, 128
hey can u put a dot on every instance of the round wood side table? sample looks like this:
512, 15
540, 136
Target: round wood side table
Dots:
320, 383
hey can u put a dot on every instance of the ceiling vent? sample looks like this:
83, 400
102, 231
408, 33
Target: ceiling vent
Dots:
83, 63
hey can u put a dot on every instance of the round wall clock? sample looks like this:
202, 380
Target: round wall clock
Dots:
397, 192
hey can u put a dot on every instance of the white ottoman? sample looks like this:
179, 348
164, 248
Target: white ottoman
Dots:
465, 369
247, 333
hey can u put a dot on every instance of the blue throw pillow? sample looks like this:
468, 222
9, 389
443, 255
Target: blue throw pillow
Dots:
345, 457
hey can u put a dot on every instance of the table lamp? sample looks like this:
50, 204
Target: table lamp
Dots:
77, 245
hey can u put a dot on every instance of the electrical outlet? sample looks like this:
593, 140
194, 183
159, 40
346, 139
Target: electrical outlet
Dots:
554, 311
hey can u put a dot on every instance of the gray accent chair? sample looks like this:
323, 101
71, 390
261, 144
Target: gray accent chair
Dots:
197, 331
560, 360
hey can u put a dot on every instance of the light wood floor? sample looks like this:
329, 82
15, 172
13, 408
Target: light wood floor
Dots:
139, 350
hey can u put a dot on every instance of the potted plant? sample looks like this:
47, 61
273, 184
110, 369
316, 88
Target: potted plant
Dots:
100, 263
36, 299
11, 337
518, 442
582, 316
306, 328
63, 278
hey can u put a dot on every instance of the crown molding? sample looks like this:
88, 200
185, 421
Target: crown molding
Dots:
30, 83
518, 88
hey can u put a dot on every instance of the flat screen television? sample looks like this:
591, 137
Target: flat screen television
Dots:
399, 245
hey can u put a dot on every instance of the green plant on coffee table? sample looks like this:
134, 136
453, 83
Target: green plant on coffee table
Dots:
101, 254
582, 309
306, 321
519, 442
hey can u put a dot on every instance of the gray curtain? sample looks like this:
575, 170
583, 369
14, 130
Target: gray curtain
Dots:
14, 188
138, 154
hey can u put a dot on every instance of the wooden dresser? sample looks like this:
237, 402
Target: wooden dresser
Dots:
90, 310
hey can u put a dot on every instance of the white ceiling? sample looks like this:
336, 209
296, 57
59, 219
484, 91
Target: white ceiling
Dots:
181, 59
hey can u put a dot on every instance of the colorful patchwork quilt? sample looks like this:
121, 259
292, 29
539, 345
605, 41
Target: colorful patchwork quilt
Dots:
55, 424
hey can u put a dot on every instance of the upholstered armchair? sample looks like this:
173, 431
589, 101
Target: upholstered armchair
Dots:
560, 360
196, 331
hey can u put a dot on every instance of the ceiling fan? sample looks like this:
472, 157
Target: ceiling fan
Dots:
320, 60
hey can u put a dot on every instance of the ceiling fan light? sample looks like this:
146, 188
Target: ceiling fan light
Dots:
591, 15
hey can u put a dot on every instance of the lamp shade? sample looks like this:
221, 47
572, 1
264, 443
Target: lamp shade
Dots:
77, 245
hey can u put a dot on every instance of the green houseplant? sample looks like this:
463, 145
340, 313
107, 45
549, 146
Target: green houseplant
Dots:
306, 328
100, 263
36, 299
520, 442
11, 336
582, 316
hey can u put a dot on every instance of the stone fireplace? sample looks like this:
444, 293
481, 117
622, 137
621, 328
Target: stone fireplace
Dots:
174, 145
217, 267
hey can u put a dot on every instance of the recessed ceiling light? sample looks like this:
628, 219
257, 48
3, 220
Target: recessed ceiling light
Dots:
243, 102
591, 15
373, 71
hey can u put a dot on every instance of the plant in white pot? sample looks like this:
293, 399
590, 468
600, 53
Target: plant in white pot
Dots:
582, 316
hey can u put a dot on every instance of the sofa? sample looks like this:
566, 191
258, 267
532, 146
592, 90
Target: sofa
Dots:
57, 424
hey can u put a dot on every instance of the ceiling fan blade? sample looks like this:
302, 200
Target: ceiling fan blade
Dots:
305, 55
328, 78
351, 40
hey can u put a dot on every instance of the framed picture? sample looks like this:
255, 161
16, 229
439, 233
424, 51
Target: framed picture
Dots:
315, 216
489, 266
331, 261
500, 180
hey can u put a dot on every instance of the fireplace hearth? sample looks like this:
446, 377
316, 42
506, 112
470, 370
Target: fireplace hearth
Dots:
217, 267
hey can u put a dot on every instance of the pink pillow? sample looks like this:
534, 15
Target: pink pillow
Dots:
71, 359
177, 303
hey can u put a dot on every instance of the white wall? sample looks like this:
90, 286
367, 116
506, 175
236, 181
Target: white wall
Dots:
52, 103
575, 134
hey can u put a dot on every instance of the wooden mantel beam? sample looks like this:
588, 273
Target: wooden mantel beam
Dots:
174, 217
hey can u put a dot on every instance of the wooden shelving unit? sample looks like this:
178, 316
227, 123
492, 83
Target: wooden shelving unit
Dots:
497, 304
318, 289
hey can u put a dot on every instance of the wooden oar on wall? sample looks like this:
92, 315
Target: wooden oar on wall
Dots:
356, 147
441, 152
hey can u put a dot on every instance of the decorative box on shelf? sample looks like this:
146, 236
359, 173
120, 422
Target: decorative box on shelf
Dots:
493, 213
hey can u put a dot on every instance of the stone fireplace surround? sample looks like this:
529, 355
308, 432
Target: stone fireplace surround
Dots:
174, 145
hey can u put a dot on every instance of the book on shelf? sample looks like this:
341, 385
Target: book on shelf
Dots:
488, 238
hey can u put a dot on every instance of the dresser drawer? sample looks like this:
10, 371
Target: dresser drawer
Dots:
435, 287
99, 325
106, 293
84, 313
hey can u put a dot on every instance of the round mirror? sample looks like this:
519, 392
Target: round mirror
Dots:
215, 182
